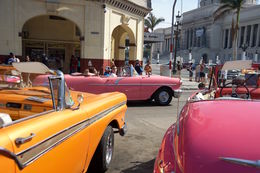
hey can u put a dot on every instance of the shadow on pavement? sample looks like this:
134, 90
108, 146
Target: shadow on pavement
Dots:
143, 104
146, 167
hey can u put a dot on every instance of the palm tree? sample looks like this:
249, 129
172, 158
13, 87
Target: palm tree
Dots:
150, 23
235, 7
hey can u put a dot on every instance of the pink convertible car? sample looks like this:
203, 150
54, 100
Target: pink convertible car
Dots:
215, 132
159, 88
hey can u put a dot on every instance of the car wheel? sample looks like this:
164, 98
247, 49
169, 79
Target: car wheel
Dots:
104, 153
163, 97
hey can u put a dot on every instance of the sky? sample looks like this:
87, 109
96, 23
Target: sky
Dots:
163, 8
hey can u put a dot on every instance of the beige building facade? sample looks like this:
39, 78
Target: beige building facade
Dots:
94, 31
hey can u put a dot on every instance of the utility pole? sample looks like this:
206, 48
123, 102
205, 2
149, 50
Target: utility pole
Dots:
172, 33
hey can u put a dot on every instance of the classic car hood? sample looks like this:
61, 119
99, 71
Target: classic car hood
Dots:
221, 128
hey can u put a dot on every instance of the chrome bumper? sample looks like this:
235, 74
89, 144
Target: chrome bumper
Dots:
177, 93
123, 130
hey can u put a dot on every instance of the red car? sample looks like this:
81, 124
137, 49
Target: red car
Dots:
217, 131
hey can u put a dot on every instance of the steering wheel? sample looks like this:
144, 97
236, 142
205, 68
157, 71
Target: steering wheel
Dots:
234, 91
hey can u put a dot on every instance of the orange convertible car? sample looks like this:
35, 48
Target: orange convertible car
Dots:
51, 129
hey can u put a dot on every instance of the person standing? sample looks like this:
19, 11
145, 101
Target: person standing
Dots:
179, 67
202, 73
224, 77
27, 58
45, 60
197, 73
73, 64
148, 69
78, 64
190, 72
138, 67
12, 59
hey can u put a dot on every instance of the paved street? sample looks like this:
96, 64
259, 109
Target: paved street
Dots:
147, 124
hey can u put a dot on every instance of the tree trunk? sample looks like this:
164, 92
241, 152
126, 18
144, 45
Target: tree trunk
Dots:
235, 47
236, 35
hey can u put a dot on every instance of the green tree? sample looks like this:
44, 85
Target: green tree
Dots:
234, 7
150, 23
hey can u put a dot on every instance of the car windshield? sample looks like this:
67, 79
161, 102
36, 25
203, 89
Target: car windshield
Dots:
35, 85
128, 71
43, 81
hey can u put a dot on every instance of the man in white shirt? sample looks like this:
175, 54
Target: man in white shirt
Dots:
113, 72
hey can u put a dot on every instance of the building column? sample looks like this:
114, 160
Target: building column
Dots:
224, 39
245, 34
68, 54
239, 37
251, 36
257, 36
229, 38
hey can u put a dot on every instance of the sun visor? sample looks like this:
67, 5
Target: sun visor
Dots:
32, 67
237, 65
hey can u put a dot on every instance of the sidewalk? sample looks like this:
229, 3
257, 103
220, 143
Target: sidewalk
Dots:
186, 84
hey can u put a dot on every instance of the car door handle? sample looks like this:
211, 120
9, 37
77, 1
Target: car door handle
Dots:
20, 141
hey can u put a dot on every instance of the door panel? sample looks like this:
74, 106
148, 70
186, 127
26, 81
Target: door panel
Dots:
128, 85
7, 165
60, 143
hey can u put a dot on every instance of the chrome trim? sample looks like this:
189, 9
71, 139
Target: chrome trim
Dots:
27, 118
61, 93
118, 80
11, 155
27, 156
131, 84
243, 162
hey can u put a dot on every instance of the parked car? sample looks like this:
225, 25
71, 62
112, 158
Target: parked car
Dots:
49, 128
135, 87
216, 131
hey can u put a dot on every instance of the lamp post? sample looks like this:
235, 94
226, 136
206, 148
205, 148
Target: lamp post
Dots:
244, 47
177, 27
172, 30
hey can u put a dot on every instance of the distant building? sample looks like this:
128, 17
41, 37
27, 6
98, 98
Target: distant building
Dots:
95, 31
206, 38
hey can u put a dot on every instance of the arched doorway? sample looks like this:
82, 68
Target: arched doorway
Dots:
123, 45
55, 37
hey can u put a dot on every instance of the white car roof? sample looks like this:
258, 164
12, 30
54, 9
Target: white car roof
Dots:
237, 65
32, 67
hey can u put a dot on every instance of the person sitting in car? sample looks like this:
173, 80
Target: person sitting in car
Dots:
107, 71
113, 72
138, 67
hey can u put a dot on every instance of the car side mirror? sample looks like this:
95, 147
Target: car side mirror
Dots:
80, 99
